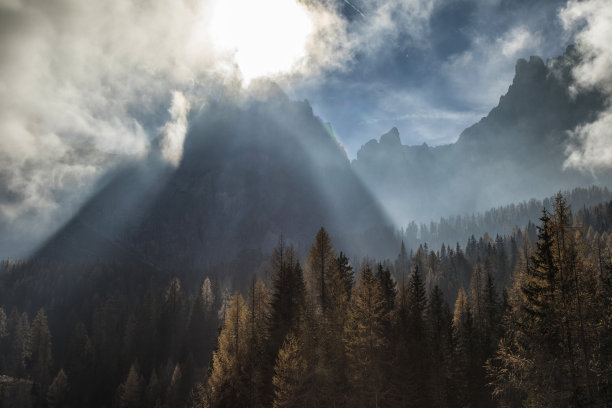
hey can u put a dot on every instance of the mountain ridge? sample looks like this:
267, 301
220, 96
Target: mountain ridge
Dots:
514, 153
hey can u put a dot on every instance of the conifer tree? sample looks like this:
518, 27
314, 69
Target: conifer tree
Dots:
402, 264
228, 383
18, 344
546, 355
321, 264
290, 372
131, 390
410, 380
439, 322
387, 287
172, 319
366, 342
153, 391
287, 302
78, 363
346, 273
258, 320
202, 324
174, 395
57, 395
40, 348
466, 361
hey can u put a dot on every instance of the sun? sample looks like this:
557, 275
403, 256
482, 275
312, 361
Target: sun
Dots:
266, 37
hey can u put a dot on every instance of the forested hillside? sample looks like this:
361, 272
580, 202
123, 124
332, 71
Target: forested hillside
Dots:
520, 320
495, 221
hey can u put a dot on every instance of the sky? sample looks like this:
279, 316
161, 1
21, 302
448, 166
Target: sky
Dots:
83, 82
437, 71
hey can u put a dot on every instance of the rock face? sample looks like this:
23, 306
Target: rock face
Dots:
249, 173
516, 152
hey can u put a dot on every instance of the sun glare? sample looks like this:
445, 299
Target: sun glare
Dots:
266, 36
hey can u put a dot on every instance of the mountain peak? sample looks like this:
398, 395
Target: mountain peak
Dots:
526, 72
391, 138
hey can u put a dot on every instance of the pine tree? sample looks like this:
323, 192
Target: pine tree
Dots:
57, 396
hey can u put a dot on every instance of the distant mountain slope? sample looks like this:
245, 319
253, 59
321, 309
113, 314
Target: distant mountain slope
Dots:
516, 152
249, 173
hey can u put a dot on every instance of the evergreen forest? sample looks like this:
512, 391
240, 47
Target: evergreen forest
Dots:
524, 319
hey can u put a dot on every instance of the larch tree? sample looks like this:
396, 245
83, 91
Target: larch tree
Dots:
546, 356
227, 382
365, 342
57, 395
465, 359
287, 302
258, 321
290, 373
131, 391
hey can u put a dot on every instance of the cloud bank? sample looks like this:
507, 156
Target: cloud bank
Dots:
591, 23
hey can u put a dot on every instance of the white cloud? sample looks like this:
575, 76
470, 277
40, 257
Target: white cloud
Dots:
591, 148
335, 40
174, 131
516, 40
591, 23
80, 81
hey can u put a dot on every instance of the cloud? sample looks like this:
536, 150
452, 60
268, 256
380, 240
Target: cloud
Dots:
376, 27
591, 146
174, 131
591, 23
80, 83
